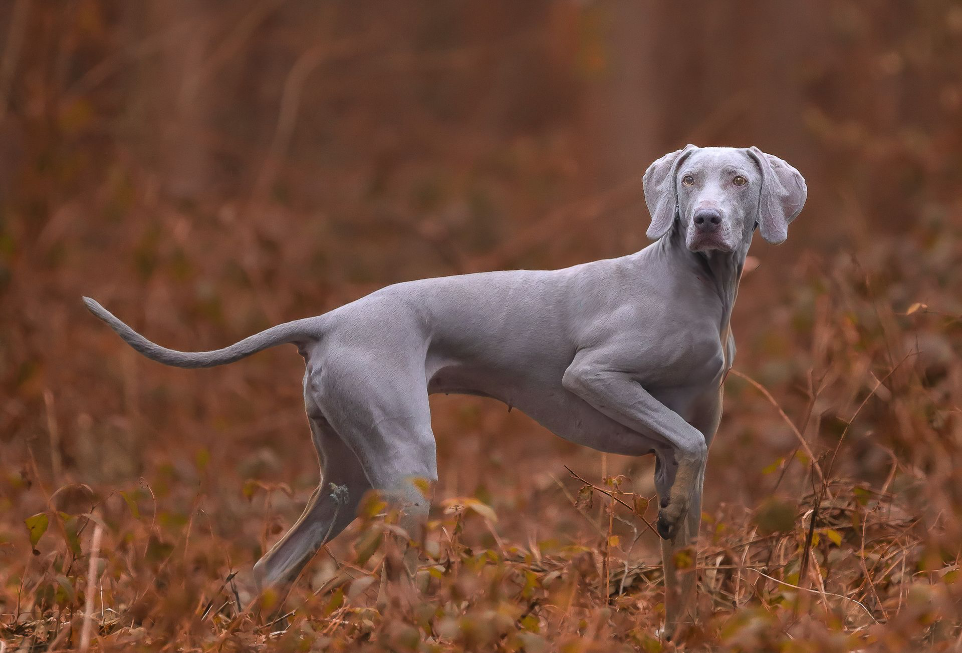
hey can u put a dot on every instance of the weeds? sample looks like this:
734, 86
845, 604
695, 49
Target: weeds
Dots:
854, 547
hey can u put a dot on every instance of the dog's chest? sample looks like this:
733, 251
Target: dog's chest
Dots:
698, 361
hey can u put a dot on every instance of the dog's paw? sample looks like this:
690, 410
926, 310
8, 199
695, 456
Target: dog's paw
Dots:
666, 529
669, 519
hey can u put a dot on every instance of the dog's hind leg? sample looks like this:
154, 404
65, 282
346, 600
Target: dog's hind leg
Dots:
385, 419
331, 508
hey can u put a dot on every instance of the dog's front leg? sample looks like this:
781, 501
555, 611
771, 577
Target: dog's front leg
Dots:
593, 377
679, 557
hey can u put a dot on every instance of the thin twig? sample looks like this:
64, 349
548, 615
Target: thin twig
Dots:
610, 494
278, 620
738, 573
574, 502
805, 589
868, 577
819, 582
801, 440
878, 384
806, 550
233, 589
606, 553
210, 603
91, 577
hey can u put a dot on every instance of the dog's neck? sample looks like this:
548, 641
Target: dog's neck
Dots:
721, 271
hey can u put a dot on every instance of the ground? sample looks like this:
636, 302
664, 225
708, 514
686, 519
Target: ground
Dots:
830, 519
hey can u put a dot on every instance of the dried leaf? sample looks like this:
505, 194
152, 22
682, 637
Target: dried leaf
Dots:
423, 485
69, 528
37, 526
834, 536
131, 502
773, 466
372, 505
66, 594
249, 488
367, 545
585, 497
482, 509
640, 505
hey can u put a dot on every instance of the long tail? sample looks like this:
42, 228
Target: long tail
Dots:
298, 331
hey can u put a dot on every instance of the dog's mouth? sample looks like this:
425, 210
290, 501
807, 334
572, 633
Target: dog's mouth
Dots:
703, 242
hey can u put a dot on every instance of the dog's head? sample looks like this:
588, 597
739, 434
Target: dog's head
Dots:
719, 195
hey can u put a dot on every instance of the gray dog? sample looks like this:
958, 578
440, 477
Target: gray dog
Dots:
626, 355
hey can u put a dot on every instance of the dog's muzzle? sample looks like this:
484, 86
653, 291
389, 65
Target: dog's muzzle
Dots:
708, 230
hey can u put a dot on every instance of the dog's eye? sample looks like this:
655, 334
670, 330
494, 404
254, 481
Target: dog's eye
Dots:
739, 180
688, 180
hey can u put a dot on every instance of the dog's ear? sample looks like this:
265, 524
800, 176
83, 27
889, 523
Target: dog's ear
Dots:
661, 192
782, 195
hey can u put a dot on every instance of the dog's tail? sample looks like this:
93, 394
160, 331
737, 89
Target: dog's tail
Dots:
297, 332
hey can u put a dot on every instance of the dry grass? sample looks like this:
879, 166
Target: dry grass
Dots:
522, 554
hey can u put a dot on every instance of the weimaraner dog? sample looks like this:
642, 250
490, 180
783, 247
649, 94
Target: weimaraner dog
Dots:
625, 355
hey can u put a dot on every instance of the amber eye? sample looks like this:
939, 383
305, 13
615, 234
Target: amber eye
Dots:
739, 180
688, 180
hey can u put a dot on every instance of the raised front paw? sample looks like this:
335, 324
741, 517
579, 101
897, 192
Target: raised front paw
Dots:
670, 518
666, 529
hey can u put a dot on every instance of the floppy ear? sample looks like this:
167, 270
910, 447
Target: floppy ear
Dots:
661, 195
782, 196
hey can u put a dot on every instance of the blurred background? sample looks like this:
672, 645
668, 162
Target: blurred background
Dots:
206, 169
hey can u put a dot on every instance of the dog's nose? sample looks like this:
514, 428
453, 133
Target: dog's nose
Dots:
708, 219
